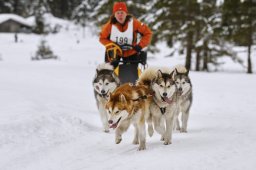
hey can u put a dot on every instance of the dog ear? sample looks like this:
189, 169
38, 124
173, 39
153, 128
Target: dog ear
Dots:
117, 80
176, 70
123, 99
109, 96
159, 73
172, 74
187, 72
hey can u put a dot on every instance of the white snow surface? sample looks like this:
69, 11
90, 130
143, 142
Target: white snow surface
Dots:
49, 119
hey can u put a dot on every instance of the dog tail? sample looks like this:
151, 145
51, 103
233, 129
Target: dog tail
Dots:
180, 68
147, 76
105, 66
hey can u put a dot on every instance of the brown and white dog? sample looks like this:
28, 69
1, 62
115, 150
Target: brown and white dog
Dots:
130, 104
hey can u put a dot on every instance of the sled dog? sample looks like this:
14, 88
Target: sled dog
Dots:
105, 81
164, 104
129, 104
184, 87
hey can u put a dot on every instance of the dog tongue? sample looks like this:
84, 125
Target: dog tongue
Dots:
114, 125
167, 100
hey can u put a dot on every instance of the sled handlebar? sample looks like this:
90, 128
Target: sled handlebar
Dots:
126, 47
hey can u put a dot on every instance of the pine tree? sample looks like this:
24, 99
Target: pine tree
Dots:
240, 24
13, 6
82, 13
39, 11
207, 34
175, 21
44, 51
102, 12
248, 28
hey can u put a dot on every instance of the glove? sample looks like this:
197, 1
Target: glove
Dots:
115, 63
137, 48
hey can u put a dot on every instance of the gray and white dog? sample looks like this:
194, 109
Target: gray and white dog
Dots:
105, 81
164, 105
184, 87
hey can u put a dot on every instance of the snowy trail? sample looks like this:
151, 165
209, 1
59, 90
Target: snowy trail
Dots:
49, 120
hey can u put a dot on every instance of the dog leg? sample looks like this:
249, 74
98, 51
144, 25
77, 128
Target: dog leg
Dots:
162, 125
184, 117
118, 135
184, 122
136, 136
150, 126
104, 118
121, 129
142, 136
168, 132
177, 123
158, 125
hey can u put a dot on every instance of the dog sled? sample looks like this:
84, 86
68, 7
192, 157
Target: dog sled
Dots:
127, 69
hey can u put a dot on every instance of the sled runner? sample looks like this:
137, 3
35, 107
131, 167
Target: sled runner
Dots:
127, 69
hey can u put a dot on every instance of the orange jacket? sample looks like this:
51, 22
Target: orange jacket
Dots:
138, 27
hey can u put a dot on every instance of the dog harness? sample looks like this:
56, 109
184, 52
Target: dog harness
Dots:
163, 110
141, 98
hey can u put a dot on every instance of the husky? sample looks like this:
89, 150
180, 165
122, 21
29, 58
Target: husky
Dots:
184, 87
129, 104
164, 104
105, 81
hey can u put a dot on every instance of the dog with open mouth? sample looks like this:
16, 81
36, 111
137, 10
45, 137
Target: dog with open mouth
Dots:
129, 104
164, 104
105, 81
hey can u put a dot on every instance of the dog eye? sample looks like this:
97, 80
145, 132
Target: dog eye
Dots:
168, 86
117, 112
176, 82
161, 85
183, 82
107, 83
109, 112
100, 83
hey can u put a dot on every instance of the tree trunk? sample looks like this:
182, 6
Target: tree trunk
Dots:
189, 50
198, 59
198, 49
249, 67
205, 48
250, 36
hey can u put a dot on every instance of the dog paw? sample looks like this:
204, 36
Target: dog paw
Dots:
182, 130
162, 138
178, 128
106, 131
135, 142
168, 142
118, 140
142, 148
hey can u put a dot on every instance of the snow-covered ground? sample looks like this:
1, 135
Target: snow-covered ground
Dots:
49, 119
